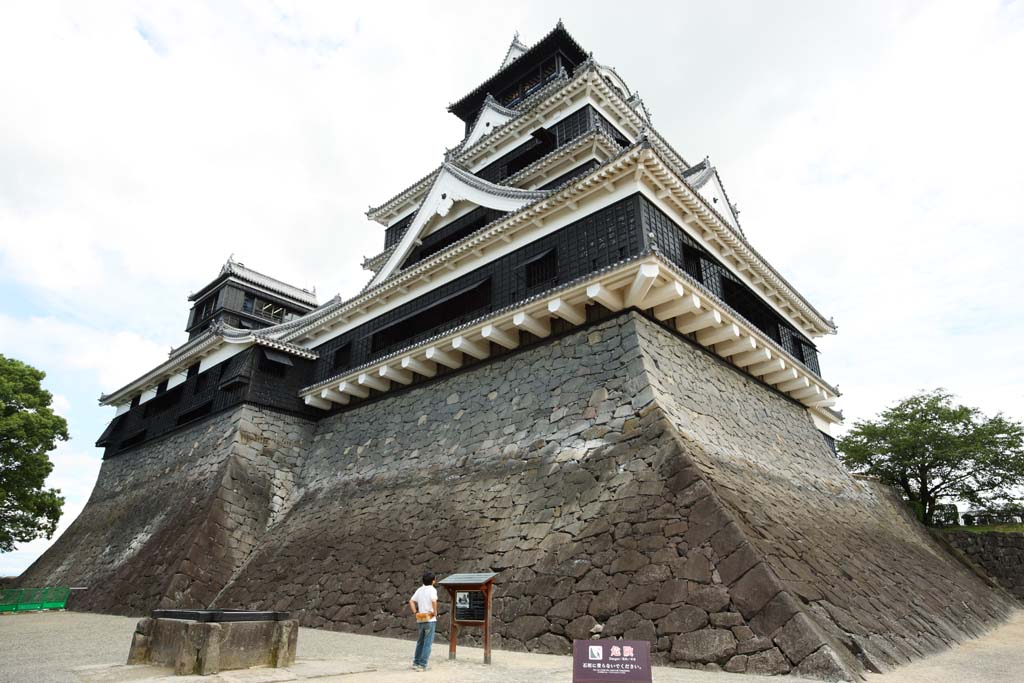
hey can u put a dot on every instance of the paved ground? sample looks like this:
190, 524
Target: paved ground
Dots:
70, 647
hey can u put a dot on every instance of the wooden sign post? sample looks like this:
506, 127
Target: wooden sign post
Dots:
471, 606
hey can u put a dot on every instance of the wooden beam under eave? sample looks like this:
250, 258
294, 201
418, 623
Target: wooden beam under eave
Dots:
395, 374
424, 368
781, 376
665, 293
374, 382
710, 337
808, 392
604, 296
540, 327
354, 389
477, 350
448, 359
318, 402
509, 339
768, 367
699, 321
794, 384
335, 396
577, 315
822, 403
644, 279
681, 306
751, 357
739, 346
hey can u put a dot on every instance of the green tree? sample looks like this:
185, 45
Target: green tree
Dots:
931, 448
28, 431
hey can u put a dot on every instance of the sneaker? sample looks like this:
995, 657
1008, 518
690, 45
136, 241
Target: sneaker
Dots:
415, 667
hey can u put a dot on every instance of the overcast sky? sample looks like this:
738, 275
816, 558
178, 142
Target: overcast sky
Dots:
874, 150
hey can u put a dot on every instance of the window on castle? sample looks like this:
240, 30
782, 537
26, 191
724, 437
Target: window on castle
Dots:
202, 381
249, 303
459, 306
342, 358
545, 142
205, 309
272, 311
541, 270
275, 363
163, 402
750, 306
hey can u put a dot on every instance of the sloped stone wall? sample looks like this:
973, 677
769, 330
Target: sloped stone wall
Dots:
841, 550
1000, 555
622, 481
169, 522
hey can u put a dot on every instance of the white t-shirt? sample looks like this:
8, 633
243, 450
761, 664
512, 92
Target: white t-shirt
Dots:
424, 598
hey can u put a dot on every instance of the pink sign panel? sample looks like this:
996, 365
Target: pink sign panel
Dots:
602, 661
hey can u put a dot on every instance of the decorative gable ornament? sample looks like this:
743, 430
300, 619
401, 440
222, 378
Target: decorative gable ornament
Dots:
454, 184
515, 50
491, 117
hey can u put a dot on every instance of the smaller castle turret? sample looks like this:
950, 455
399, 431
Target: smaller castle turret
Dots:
244, 298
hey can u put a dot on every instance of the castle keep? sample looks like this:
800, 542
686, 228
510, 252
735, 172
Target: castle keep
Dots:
570, 367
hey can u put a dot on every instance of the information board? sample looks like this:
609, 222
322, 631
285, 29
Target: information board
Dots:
602, 661
470, 606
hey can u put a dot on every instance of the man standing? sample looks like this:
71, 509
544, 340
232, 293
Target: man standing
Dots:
423, 604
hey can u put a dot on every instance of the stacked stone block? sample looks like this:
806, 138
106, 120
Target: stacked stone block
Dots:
1000, 555
169, 523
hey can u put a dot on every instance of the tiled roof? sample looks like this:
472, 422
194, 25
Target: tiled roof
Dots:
559, 27
240, 271
218, 333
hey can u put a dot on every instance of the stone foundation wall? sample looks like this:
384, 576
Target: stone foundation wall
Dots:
1000, 555
169, 522
822, 544
622, 481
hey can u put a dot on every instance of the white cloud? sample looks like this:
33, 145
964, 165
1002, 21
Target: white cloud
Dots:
874, 149
108, 359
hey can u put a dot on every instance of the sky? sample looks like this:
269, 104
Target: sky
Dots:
873, 149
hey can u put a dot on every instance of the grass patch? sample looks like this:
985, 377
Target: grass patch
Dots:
987, 528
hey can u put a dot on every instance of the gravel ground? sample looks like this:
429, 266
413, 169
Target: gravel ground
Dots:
75, 647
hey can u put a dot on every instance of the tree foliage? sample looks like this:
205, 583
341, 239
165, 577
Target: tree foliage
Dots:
28, 431
930, 448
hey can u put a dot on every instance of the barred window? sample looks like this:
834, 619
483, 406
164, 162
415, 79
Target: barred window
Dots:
542, 269
342, 358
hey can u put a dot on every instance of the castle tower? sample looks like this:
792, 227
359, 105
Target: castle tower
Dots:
561, 205
570, 367
245, 299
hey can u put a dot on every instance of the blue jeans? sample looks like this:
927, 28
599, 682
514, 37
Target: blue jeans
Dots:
423, 643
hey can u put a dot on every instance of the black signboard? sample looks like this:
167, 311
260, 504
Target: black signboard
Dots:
602, 661
470, 606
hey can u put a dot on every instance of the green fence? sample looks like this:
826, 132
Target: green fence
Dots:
25, 599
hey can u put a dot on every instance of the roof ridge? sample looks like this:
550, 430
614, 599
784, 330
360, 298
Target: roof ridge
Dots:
558, 27
237, 269
515, 44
